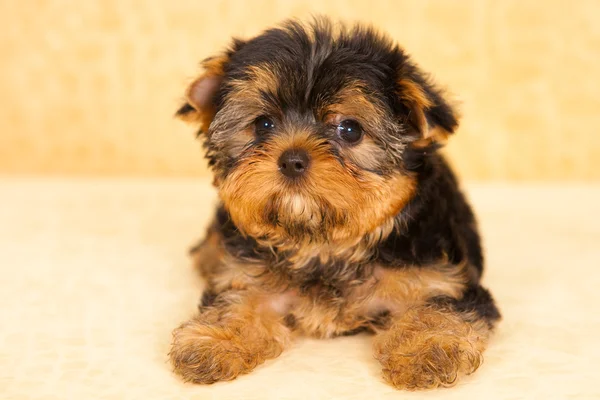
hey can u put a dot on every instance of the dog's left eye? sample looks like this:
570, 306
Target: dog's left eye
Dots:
350, 130
263, 124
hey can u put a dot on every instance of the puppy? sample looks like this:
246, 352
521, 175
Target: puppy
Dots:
337, 214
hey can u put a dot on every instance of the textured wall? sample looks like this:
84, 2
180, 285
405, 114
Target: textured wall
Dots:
89, 87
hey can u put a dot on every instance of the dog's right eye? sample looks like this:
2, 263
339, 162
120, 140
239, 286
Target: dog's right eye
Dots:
350, 131
263, 124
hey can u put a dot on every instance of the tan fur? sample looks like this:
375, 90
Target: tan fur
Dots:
434, 135
399, 289
245, 96
213, 69
231, 339
353, 101
430, 347
352, 249
208, 256
261, 78
416, 98
366, 155
215, 65
414, 93
387, 290
220, 269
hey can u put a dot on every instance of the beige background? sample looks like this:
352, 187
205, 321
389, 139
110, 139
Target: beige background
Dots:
90, 87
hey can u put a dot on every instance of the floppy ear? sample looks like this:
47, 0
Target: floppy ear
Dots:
429, 115
200, 104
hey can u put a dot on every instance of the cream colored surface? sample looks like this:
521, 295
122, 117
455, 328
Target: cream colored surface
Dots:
89, 87
95, 277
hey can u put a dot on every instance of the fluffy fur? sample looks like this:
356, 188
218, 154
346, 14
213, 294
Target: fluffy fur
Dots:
374, 233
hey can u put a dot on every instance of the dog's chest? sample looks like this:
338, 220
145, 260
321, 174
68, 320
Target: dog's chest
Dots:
330, 306
330, 297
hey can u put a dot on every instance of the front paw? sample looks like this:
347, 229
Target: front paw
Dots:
428, 349
203, 353
437, 363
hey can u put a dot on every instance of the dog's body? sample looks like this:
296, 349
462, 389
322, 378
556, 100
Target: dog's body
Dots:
337, 214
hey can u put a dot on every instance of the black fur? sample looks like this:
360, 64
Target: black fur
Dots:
439, 223
475, 299
184, 110
208, 299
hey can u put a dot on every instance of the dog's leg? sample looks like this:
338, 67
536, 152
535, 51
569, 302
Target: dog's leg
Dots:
433, 344
241, 330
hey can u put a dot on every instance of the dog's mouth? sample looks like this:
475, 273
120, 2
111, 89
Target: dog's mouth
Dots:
299, 215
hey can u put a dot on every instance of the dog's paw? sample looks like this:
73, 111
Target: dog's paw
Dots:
434, 364
209, 353
429, 348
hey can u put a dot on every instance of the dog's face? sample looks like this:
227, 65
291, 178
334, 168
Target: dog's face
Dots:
309, 130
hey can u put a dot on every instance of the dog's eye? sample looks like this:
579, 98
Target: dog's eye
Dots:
263, 124
350, 131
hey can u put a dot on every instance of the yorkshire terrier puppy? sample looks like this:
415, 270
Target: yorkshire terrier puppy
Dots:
337, 214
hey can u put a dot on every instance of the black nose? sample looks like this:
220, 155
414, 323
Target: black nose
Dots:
293, 162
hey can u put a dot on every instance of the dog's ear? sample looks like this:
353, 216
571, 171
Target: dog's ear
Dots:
199, 106
425, 110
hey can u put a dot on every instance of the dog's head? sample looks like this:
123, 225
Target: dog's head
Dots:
307, 129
